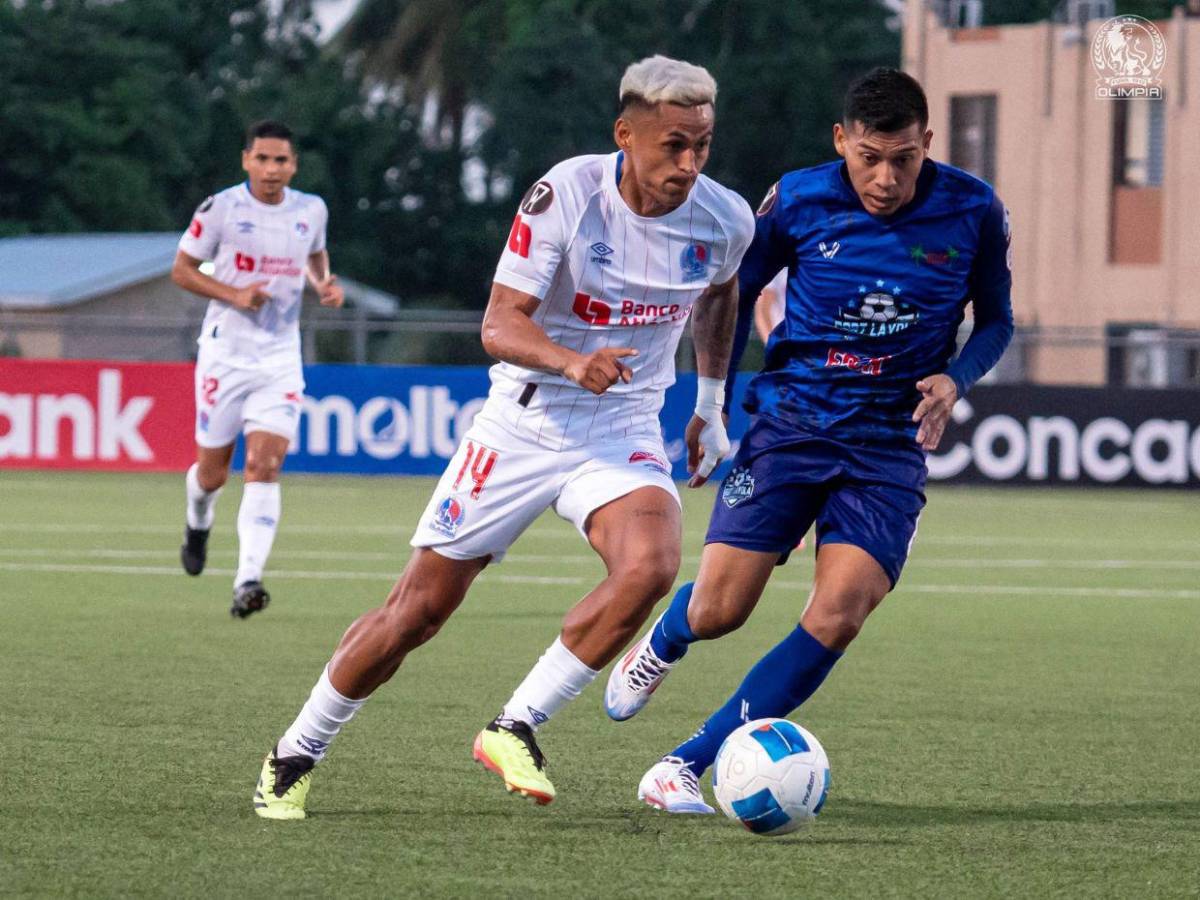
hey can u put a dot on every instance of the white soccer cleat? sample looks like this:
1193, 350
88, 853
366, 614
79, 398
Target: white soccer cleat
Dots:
634, 679
672, 787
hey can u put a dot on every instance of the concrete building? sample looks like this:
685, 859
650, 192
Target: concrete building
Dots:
1104, 194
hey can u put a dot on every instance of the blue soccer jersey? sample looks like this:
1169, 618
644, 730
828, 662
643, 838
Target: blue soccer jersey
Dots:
874, 303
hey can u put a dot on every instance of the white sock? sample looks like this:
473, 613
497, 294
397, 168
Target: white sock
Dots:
558, 678
258, 517
201, 504
319, 721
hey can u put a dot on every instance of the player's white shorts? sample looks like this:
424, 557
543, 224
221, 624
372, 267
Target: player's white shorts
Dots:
501, 480
230, 400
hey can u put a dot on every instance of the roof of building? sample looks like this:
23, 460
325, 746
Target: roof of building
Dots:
51, 271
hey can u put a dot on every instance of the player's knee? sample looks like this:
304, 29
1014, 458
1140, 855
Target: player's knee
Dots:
649, 576
412, 616
263, 465
837, 621
210, 478
716, 616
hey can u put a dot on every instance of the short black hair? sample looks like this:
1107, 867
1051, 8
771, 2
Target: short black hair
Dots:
269, 128
885, 100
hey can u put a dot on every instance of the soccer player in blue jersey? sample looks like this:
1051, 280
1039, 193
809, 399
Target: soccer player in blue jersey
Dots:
884, 250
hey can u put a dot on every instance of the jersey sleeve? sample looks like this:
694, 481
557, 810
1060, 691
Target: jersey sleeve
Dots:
538, 239
203, 235
319, 225
741, 232
767, 254
990, 290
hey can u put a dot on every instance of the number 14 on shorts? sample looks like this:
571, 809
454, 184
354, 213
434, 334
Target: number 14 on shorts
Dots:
479, 461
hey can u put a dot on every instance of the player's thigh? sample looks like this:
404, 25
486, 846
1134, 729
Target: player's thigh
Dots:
638, 535
728, 586
771, 497
273, 404
878, 518
493, 488
614, 485
221, 393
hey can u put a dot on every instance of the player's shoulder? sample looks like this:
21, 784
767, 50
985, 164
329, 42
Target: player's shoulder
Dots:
221, 200
727, 206
302, 200
569, 185
810, 183
959, 188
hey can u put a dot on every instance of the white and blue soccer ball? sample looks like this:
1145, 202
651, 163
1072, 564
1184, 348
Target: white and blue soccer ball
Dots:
772, 776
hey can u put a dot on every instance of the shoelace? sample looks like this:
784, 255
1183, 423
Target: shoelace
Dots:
647, 671
688, 777
525, 735
288, 771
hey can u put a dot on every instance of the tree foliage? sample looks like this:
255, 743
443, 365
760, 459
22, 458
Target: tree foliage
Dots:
121, 116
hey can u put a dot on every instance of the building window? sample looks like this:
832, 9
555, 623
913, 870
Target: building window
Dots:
1149, 355
973, 135
1139, 131
1139, 135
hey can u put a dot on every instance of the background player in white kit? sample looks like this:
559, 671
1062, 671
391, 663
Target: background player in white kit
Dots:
264, 240
605, 259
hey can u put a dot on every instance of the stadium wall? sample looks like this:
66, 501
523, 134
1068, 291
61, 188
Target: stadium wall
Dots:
408, 420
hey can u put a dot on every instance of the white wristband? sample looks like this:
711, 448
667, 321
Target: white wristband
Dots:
710, 397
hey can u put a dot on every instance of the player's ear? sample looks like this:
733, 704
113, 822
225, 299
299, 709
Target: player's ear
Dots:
839, 139
928, 139
622, 133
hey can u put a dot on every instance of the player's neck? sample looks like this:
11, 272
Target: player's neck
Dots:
638, 202
263, 197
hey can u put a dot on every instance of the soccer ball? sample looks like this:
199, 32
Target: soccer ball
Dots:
878, 307
772, 776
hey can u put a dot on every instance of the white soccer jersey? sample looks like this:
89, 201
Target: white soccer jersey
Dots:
250, 241
607, 277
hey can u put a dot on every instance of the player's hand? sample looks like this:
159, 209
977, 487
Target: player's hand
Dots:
251, 297
707, 444
331, 293
938, 393
599, 371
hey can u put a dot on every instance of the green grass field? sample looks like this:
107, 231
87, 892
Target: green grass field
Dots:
1020, 718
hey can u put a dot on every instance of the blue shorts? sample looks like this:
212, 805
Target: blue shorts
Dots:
784, 479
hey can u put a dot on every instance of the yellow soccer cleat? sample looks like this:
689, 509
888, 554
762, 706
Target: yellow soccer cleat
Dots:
283, 786
511, 752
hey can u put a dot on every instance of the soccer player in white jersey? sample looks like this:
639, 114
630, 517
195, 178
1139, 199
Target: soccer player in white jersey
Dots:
264, 239
607, 258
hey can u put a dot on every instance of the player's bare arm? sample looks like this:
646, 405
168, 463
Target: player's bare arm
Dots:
324, 282
938, 395
713, 320
186, 273
511, 336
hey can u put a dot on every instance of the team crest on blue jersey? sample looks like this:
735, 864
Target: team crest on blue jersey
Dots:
694, 261
448, 517
876, 312
739, 486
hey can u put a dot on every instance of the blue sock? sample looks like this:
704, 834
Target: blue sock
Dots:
672, 634
778, 683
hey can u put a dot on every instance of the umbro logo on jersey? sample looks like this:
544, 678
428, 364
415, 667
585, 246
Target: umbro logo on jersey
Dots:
245, 227
602, 251
829, 251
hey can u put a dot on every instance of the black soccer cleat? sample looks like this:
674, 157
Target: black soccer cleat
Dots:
248, 598
194, 551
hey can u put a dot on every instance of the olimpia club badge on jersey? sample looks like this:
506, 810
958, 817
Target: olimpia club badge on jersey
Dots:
1129, 55
694, 261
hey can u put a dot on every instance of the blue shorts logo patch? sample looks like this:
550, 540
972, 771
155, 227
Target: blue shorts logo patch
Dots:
449, 515
739, 486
